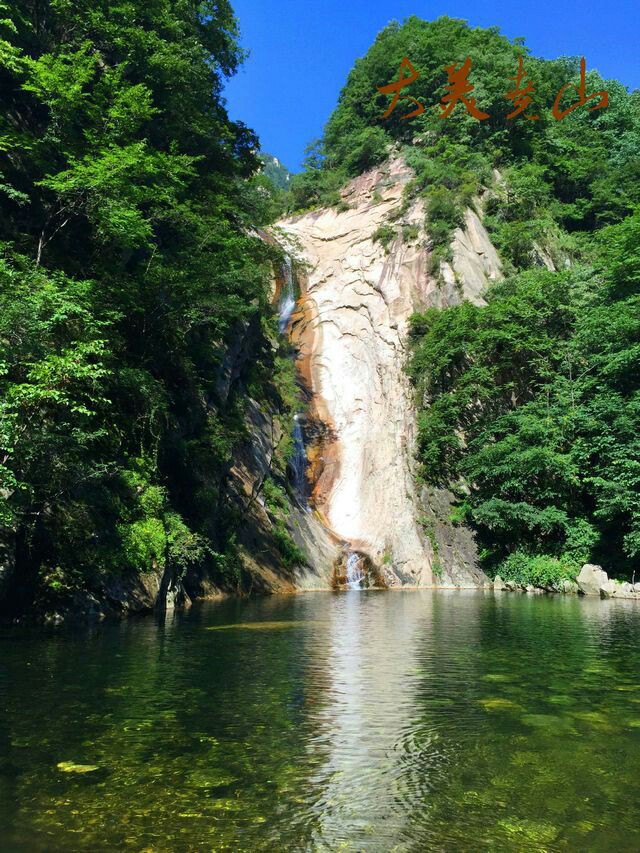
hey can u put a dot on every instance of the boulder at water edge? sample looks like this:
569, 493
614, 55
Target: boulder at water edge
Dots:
591, 579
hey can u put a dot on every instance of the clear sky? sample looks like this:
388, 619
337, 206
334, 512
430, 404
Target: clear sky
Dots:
302, 51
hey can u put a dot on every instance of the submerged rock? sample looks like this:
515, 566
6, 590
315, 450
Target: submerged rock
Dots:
72, 767
498, 703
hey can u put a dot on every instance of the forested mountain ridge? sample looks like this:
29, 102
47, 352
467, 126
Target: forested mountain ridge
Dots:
275, 171
129, 262
528, 405
581, 172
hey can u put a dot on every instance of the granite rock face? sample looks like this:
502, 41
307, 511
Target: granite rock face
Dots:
475, 261
591, 579
351, 330
252, 464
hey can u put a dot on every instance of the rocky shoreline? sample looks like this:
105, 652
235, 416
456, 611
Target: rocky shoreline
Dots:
592, 580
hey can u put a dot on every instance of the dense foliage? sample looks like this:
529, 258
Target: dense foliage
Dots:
530, 406
273, 169
127, 262
574, 175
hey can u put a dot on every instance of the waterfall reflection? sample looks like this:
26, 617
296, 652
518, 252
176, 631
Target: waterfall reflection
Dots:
368, 721
367, 725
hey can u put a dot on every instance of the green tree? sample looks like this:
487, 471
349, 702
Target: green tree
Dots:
129, 260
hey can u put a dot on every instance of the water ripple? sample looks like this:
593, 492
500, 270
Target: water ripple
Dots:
366, 721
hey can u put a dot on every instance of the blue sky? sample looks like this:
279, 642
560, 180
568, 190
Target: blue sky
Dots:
302, 51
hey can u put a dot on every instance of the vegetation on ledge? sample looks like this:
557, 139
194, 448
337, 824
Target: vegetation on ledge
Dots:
530, 407
559, 179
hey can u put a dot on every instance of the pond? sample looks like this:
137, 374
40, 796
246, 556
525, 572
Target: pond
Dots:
374, 721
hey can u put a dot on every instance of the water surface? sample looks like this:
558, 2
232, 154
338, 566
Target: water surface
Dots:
374, 721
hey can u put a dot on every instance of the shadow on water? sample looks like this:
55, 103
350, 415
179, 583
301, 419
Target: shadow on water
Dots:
407, 721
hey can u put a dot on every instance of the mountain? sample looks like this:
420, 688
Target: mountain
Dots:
427, 373
526, 390
273, 169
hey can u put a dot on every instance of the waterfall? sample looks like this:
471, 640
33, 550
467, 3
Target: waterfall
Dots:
355, 575
298, 462
287, 296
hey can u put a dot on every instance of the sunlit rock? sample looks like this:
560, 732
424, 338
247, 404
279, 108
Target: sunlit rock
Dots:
591, 579
351, 328
608, 589
72, 767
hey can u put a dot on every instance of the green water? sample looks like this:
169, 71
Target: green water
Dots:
355, 721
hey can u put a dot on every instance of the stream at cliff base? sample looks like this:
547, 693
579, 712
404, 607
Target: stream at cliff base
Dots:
368, 721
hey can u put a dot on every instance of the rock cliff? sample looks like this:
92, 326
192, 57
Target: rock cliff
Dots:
350, 329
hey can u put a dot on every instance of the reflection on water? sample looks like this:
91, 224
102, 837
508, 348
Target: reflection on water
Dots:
363, 721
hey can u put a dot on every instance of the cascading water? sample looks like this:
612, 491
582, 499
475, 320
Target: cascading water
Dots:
355, 575
298, 462
287, 296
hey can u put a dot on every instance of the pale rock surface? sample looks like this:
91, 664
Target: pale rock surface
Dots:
591, 579
542, 257
608, 589
475, 261
352, 328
